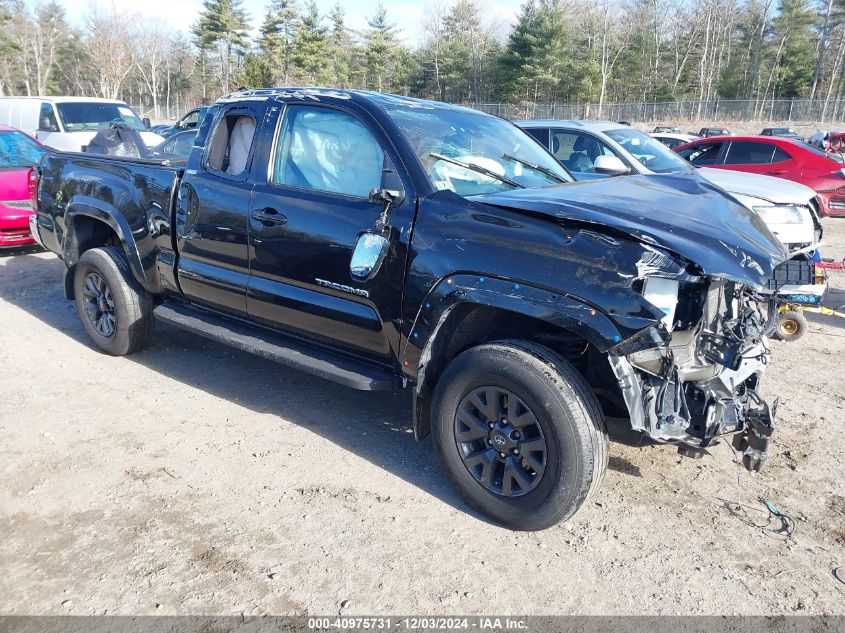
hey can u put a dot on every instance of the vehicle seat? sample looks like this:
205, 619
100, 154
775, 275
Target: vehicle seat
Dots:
240, 142
578, 160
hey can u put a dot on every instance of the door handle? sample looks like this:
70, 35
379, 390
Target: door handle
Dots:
777, 172
269, 217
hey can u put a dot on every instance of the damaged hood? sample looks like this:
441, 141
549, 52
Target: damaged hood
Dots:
683, 214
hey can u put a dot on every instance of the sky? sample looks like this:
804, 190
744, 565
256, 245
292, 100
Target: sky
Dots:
406, 14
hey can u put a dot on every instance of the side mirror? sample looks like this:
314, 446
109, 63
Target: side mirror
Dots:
386, 196
610, 165
146, 122
369, 253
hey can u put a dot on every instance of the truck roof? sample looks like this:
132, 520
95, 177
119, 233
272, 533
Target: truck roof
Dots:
333, 94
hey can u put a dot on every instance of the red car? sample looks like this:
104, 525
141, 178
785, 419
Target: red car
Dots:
18, 154
775, 156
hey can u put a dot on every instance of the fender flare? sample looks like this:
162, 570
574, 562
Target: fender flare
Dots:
84, 206
451, 292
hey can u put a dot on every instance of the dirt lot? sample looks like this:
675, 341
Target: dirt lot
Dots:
192, 478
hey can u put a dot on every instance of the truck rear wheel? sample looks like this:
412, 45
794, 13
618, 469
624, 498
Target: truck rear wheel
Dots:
116, 312
519, 433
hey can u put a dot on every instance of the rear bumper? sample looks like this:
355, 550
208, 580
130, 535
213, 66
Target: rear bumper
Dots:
33, 229
14, 229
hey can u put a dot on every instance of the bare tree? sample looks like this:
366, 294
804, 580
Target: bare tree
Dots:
109, 47
611, 31
152, 42
434, 33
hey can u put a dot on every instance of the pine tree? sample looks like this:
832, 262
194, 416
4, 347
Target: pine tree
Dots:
341, 48
275, 43
310, 55
381, 46
795, 25
255, 72
221, 35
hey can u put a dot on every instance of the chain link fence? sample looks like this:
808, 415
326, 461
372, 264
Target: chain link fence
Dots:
789, 110
707, 112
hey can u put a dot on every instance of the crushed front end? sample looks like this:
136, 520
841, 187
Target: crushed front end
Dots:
694, 375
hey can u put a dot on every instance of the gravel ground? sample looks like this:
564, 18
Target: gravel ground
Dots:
192, 478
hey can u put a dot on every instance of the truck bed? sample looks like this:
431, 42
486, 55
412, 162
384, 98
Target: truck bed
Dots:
133, 196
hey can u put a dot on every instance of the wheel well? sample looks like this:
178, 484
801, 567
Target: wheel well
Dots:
91, 233
470, 325
88, 233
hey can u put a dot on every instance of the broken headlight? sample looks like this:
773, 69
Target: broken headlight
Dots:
662, 294
662, 276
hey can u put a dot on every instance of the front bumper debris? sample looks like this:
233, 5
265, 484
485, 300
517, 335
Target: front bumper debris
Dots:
693, 385
754, 442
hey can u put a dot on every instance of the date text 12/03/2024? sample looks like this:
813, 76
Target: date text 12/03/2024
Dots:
480, 623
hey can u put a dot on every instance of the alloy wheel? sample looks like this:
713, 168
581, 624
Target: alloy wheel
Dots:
500, 441
99, 304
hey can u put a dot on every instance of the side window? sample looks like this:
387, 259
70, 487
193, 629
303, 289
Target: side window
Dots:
47, 119
780, 155
327, 150
704, 154
190, 121
180, 145
749, 153
540, 134
563, 144
231, 143
578, 152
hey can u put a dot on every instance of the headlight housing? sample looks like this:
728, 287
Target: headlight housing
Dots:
662, 294
780, 214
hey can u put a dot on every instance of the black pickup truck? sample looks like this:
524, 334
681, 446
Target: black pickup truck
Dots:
384, 242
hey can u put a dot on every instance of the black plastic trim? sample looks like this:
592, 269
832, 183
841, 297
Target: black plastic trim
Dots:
342, 370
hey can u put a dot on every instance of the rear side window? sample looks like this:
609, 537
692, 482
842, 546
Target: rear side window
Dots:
231, 143
328, 150
750, 153
780, 156
703, 154
541, 134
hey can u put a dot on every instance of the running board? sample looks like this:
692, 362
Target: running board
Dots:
283, 350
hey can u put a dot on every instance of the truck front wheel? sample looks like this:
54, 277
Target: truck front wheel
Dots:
116, 312
519, 433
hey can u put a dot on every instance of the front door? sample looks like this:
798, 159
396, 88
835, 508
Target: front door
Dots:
306, 215
211, 213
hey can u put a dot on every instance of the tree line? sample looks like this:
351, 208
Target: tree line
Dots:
565, 51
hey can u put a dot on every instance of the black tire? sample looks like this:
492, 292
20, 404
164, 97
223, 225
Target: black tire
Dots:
565, 410
125, 324
792, 325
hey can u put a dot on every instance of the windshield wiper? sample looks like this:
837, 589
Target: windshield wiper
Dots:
543, 170
478, 169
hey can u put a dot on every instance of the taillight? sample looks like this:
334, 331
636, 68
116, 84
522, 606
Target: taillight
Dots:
32, 179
